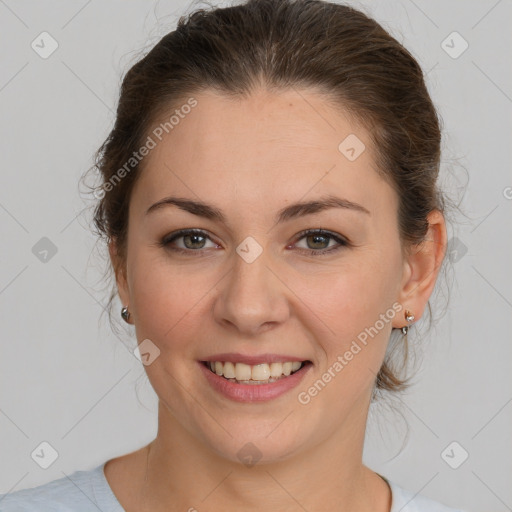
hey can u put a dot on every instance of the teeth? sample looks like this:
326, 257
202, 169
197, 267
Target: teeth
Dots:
242, 371
276, 369
229, 370
259, 372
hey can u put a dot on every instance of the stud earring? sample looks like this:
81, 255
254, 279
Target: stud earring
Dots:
409, 318
125, 314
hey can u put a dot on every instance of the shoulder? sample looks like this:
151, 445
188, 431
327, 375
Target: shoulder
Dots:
80, 491
407, 501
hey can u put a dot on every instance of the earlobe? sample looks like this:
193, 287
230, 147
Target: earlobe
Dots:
423, 265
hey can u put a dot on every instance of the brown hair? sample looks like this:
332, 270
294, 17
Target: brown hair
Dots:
281, 44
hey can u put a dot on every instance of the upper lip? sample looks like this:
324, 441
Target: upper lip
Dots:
252, 360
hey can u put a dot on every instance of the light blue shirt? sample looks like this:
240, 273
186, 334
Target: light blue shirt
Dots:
89, 491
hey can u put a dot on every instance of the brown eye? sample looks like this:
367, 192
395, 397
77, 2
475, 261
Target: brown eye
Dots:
193, 241
320, 242
187, 241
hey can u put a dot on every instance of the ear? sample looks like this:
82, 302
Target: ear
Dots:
422, 268
120, 272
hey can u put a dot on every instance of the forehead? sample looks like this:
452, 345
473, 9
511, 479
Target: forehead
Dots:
263, 147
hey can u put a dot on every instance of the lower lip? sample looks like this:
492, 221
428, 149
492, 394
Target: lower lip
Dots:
253, 392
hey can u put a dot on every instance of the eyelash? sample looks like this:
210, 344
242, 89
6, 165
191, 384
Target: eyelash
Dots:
166, 241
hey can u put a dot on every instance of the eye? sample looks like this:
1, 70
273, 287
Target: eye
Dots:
320, 241
188, 241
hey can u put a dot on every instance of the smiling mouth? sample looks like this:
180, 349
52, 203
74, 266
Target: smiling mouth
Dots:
264, 373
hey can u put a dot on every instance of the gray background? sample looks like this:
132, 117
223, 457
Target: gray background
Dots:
68, 380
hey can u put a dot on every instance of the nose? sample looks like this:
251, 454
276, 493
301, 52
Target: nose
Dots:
252, 299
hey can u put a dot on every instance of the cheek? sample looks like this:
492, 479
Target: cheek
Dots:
355, 304
335, 305
167, 298
354, 296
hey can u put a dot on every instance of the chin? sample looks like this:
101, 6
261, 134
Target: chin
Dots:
267, 443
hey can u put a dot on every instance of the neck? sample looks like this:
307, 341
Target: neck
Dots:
182, 473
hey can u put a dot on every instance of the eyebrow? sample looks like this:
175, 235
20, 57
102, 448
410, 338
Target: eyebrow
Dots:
207, 211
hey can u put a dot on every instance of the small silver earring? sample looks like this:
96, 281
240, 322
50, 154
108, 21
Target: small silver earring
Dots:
125, 314
409, 318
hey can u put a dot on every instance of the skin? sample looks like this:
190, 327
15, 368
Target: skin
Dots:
250, 158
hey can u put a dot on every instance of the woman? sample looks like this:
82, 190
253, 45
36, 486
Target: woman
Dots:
270, 205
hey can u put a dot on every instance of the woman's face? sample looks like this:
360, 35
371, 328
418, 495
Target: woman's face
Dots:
252, 284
